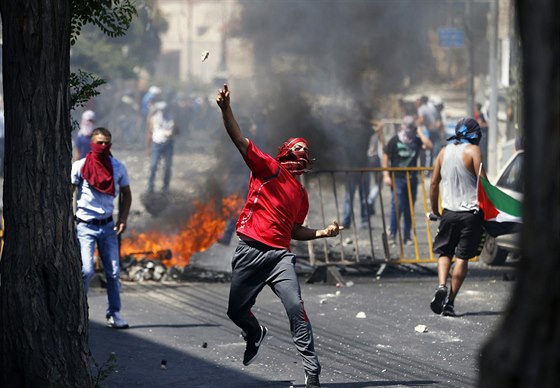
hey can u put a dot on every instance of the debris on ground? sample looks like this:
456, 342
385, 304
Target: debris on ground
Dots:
421, 328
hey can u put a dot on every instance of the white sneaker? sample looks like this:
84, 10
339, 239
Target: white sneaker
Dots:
116, 321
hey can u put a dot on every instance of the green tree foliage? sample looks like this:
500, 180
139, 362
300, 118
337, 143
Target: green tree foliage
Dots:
113, 19
106, 48
111, 16
83, 86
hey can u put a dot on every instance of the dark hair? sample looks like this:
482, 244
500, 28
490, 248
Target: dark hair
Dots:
102, 131
424, 99
467, 129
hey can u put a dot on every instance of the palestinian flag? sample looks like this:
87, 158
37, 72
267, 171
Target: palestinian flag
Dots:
502, 213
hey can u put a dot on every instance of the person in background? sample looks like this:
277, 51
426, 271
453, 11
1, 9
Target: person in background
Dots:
460, 229
376, 141
99, 178
161, 132
273, 214
83, 138
146, 105
440, 119
403, 150
427, 121
357, 132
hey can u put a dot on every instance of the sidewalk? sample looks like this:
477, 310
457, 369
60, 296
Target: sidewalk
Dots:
184, 326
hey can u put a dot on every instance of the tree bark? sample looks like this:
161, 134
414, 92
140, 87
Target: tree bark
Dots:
43, 322
525, 349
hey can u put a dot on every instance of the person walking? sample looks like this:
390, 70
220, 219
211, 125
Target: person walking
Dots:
403, 150
273, 214
460, 230
161, 132
99, 178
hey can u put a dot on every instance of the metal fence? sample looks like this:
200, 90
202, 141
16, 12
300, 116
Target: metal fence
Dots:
369, 241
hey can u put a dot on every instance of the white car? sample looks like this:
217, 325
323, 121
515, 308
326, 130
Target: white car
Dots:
510, 181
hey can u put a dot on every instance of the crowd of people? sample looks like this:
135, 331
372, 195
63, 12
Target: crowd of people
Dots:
276, 206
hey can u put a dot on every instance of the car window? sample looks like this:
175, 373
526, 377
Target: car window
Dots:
512, 178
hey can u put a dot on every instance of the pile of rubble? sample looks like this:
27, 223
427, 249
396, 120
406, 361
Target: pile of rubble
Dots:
153, 266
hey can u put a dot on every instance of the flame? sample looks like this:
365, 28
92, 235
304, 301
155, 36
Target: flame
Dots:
200, 231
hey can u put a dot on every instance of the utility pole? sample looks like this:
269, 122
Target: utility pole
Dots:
493, 109
470, 58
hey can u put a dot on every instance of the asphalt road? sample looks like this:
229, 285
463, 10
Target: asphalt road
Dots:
186, 325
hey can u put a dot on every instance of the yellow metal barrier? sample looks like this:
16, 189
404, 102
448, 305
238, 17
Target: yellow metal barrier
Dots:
367, 243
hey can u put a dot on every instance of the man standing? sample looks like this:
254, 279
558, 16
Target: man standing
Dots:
429, 121
99, 177
273, 214
161, 131
460, 229
357, 131
403, 150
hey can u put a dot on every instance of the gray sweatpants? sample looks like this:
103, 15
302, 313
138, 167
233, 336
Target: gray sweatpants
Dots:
255, 265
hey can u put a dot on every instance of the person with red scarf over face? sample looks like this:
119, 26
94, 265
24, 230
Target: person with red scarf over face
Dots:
273, 214
98, 179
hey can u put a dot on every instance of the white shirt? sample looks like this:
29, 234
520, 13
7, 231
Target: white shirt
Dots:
162, 128
91, 203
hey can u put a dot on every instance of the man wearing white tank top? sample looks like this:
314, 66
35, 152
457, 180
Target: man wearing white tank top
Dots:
460, 230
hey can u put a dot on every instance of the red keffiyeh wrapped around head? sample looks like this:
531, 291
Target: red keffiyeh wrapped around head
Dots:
295, 161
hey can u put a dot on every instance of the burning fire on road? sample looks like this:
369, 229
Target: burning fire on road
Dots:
200, 231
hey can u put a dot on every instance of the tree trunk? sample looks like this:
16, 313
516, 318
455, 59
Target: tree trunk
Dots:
525, 350
43, 323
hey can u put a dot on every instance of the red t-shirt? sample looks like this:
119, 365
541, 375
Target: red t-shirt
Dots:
276, 201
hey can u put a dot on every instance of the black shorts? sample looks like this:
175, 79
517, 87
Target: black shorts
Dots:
459, 234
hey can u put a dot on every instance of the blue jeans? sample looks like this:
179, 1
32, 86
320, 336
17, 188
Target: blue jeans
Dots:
106, 239
436, 139
161, 151
403, 204
353, 181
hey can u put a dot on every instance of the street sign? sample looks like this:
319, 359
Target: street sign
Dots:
450, 37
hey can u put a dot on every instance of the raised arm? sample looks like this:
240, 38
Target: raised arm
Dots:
232, 128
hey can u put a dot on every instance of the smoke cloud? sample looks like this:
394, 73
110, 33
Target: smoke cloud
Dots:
322, 68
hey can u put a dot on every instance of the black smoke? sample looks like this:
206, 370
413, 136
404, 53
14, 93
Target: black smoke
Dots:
321, 67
